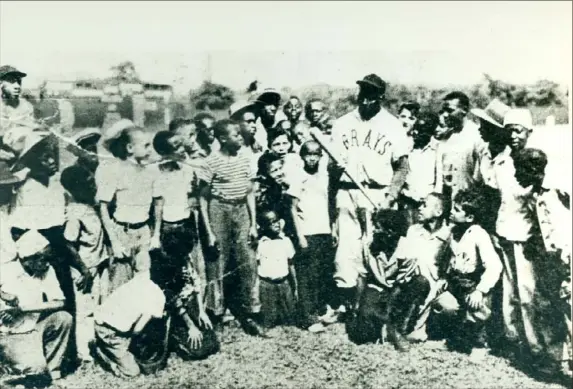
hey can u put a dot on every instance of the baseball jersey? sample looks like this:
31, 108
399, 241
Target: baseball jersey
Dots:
368, 148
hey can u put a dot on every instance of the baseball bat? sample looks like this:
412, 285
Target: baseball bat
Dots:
317, 137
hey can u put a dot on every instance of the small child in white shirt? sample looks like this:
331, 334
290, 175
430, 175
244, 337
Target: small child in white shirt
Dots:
278, 285
473, 271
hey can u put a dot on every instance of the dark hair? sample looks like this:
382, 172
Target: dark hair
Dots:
220, 128
278, 131
427, 123
75, 180
472, 202
198, 119
161, 142
462, 97
411, 106
533, 159
292, 98
118, 146
305, 146
177, 123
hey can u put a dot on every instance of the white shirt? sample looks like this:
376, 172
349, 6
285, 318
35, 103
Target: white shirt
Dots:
489, 167
554, 221
368, 148
132, 185
37, 206
128, 303
472, 251
175, 188
10, 116
274, 256
30, 291
312, 208
421, 179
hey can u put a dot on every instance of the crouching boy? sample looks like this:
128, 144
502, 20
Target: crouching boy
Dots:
123, 316
31, 312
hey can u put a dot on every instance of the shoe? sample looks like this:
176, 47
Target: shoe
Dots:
316, 328
252, 328
418, 336
399, 342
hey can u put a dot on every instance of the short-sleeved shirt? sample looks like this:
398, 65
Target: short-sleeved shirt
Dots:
132, 185
421, 178
175, 187
127, 304
274, 256
84, 228
29, 290
312, 207
37, 206
368, 148
229, 177
10, 116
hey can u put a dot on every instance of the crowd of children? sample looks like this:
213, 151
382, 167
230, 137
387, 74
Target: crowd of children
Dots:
146, 242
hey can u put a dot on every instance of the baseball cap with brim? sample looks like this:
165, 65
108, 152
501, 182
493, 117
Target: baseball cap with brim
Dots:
269, 95
239, 108
10, 70
494, 113
115, 130
520, 116
87, 136
6, 176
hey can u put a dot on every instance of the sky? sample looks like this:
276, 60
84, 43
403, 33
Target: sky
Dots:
290, 43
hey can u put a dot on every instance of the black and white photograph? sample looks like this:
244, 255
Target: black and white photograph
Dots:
285, 194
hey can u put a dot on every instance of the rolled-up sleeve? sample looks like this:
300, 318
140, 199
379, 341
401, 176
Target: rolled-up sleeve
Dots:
490, 260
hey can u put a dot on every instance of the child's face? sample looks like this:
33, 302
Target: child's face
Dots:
188, 136
269, 112
407, 119
139, 146
178, 145
293, 109
208, 123
36, 265
276, 171
250, 122
459, 216
420, 138
527, 176
281, 145
431, 208
312, 156
272, 225
316, 110
233, 140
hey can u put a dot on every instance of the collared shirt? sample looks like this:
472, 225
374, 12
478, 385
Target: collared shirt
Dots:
84, 228
274, 256
421, 179
427, 248
489, 166
312, 207
132, 185
514, 219
175, 187
474, 251
368, 148
15, 116
458, 158
37, 206
29, 291
127, 304
229, 177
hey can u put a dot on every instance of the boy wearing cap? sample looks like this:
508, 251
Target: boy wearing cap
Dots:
547, 297
34, 315
374, 149
13, 109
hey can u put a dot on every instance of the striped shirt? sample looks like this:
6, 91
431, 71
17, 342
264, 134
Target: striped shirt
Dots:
230, 177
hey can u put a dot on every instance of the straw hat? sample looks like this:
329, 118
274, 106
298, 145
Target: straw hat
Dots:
269, 95
237, 109
521, 116
494, 113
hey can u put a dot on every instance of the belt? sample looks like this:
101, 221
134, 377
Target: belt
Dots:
274, 280
230, 201
176, 223
131, 226
344, 185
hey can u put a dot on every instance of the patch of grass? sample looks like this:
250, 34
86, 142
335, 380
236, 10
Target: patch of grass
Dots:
298, 359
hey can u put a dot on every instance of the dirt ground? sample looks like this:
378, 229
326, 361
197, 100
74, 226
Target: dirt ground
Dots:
298, 359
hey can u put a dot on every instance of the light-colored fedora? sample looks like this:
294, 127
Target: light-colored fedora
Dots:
494, 113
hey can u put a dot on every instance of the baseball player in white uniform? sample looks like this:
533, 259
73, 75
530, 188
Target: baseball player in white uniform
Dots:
373, 147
